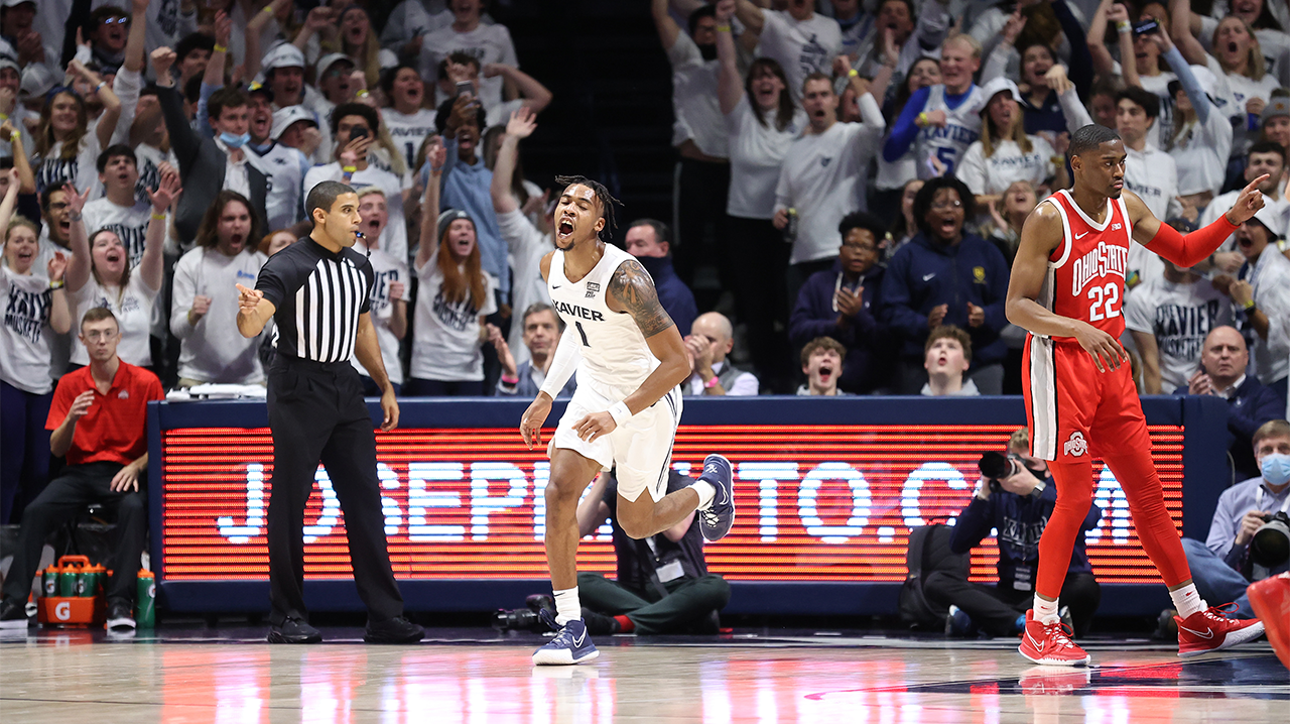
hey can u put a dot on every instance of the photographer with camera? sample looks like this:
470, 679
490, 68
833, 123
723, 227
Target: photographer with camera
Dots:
1249, 538
1015, 495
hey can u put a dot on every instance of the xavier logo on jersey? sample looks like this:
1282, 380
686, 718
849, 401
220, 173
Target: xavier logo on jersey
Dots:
574, 310
1098, 263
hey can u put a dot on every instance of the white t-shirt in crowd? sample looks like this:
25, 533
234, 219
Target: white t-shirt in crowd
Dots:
801, 48
487, 43
446, 335
129, 223
1179, 316
948, 143
1240, 89
387, 270
285, 168
394, 240
1200, 154
694, 99
822, 179
1152, 175
409, 131
51, 170
26, 336
527, 246
756, 154
214, 350
1270, 277
133, 309
1007, 164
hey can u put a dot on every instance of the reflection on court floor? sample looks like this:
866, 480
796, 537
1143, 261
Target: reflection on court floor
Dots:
471, 676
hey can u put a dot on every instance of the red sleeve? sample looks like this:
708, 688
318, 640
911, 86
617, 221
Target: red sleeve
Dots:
154, 390
64, 396
1190, 250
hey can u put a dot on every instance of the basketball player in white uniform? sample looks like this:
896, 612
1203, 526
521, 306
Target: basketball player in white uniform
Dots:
631, 361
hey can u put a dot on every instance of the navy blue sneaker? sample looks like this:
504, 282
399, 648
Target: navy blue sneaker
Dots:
570, 646
959, 624
716, 520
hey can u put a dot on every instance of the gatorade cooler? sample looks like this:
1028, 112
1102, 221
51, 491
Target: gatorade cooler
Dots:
68, 608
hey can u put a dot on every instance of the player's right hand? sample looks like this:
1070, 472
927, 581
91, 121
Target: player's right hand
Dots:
531, 422
1102, 347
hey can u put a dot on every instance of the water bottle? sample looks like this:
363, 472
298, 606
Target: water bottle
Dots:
49, 581
145, 602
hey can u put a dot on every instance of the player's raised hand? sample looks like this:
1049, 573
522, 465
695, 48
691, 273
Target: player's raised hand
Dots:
1105, 350
1248, 203
531, 422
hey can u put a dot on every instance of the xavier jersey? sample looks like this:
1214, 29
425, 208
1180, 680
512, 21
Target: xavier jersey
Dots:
1086, 272
947, 144
615, 356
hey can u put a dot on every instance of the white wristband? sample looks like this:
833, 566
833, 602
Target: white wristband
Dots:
619, 412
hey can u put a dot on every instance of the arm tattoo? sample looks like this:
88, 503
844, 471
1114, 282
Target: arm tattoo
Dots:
633, 288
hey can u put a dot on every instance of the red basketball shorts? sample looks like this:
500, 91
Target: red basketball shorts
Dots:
1075, 412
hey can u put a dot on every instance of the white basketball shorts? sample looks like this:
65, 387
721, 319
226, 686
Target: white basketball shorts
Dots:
640, 448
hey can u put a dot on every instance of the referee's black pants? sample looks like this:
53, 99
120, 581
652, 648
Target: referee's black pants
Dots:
317, 413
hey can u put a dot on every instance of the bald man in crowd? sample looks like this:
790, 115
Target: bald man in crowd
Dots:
708, 345
1223, 361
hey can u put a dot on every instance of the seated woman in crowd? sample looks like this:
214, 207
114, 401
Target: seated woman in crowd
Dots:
99, 274
454, 297
34, 308
1006, 153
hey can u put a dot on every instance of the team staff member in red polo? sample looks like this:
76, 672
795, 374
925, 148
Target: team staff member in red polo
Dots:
99, 419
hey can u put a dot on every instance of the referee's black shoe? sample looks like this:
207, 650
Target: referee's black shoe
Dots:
294, 630
397, 630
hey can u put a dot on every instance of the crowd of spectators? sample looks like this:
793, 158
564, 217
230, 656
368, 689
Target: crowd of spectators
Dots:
862, 167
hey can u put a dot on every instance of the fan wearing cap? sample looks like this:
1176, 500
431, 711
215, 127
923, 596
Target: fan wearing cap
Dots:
356, 128
454, 299
10, 110
1265, 159
1005, 152
1201, 138
1260, 295
1275, 122
284, 164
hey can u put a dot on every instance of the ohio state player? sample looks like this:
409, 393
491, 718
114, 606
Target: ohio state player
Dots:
1066, 289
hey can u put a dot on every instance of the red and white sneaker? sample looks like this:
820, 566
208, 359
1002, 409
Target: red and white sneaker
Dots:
1050, 644
1270, 599
1211, 630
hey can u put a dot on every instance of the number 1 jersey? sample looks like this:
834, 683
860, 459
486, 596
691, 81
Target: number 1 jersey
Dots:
1086, 272
615, 357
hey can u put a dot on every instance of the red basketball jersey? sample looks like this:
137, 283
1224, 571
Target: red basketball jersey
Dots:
1086, 272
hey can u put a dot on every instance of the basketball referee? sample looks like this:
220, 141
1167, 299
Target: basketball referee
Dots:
317, 291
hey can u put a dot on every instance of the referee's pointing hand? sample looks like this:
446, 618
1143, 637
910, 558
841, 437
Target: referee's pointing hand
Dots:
248, 299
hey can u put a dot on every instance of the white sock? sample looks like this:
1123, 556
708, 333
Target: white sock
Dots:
1045, 611
567, 607
706, 492
1187, 600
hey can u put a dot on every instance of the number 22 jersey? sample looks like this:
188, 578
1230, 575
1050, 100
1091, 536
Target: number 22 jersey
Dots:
1086, 272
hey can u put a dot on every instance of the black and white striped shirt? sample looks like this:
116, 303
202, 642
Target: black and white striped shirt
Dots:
319, 296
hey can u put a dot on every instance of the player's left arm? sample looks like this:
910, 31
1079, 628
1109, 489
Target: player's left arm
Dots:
1188, 251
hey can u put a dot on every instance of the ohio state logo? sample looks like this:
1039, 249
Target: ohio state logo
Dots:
1076, 446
